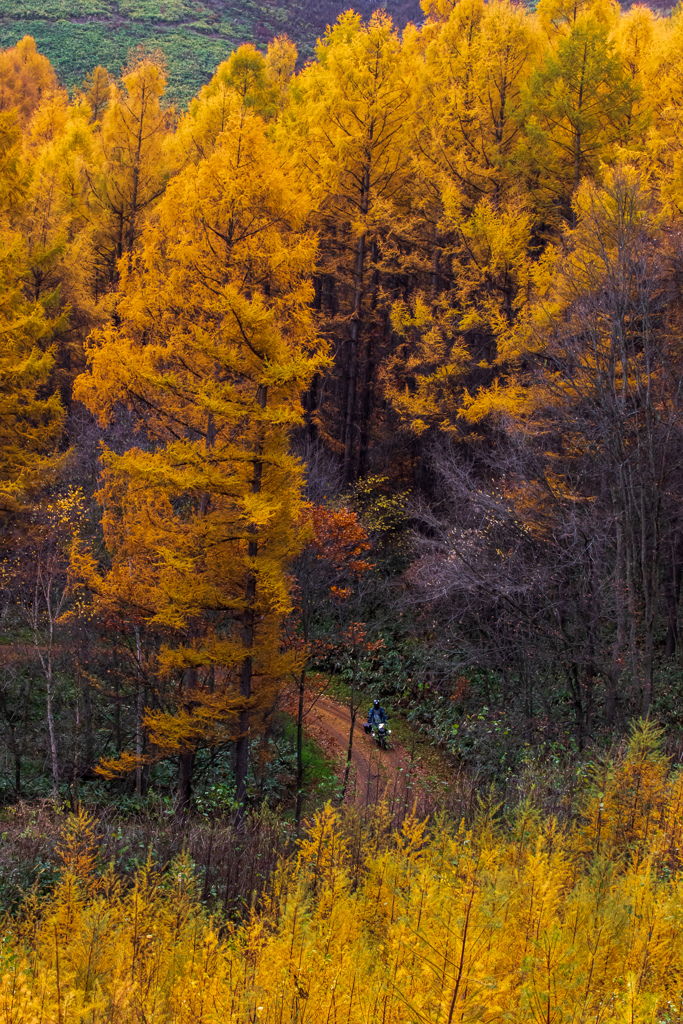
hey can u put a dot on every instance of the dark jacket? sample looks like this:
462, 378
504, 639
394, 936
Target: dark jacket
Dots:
377, 715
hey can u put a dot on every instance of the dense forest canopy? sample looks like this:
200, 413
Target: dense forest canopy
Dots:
358, 375
372, 368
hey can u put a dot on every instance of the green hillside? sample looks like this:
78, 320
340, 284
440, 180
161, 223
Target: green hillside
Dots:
76, 35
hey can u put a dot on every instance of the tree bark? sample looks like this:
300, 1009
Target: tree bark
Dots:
187, 756
186, 760
353, 710
354, 337
86, 697
349, 751
673, 595
248, 619
117, 716
368, 374
139, 712
300, 750
45, 657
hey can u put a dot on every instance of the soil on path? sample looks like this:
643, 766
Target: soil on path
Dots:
375, 773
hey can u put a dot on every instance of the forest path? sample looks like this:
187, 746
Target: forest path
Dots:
374, 773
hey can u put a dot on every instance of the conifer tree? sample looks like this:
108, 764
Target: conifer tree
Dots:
467, 235
242, 82
96, 91
469, 97
579, 108
558, 17
31, 413
26, 77
280, 64
346, 121
214, 345
130, 168
663, 101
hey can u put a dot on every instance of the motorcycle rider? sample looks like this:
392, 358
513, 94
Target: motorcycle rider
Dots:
377, 714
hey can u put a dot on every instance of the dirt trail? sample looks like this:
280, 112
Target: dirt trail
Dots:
374, 772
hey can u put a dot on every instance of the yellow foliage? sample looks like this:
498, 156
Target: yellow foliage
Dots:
280, 63
560, 15
477, 59
26, 76
78, 847
213, 345
31, 411
531, 922
508, 400
663, 97
130, 166
637, 811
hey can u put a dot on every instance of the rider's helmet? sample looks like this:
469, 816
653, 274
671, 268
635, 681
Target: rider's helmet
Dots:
376, 702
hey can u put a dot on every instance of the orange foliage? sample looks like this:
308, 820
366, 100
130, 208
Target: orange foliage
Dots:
26, 78
339, 537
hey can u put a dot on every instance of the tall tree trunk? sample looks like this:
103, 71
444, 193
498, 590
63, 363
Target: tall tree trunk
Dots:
353, 709
673, 594
130, 240
368, 372
574, 679
74, 770
51, 730
310, 405
117, 716
89, 739
365, 404
242, 746
349, 751
13, 744
186, 760
300, 749
355, 331
248, 619
139, 713
187, 756
619, 646
45, 657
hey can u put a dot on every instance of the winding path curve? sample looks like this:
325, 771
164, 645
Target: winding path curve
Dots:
375, 773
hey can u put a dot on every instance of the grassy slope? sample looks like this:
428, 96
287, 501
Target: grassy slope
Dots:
76, 35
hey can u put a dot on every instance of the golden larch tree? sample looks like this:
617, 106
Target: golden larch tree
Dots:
214, 343
31, 413
346, 121
130, 168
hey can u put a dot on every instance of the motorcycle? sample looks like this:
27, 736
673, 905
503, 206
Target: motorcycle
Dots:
381, 734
